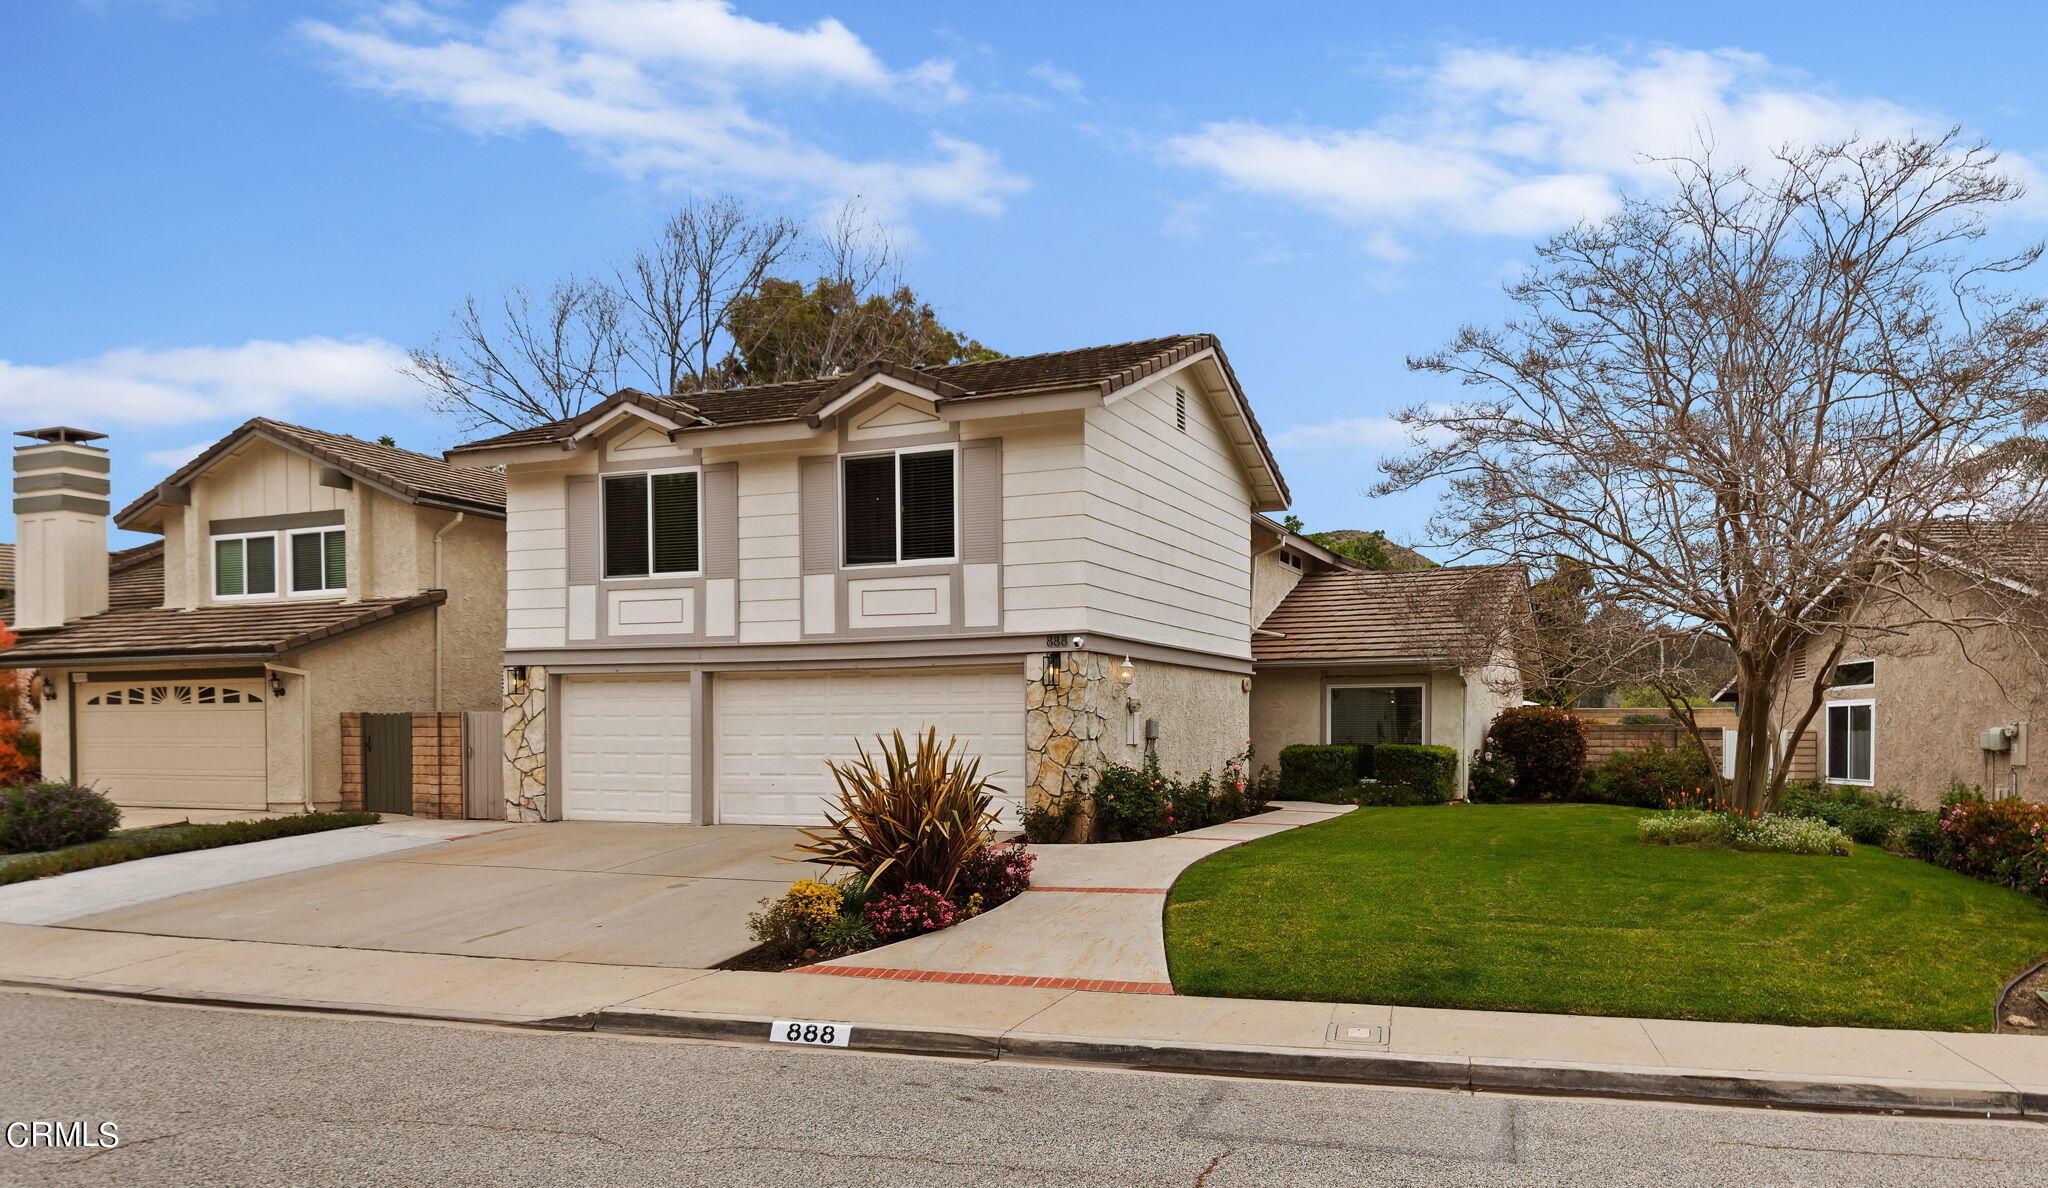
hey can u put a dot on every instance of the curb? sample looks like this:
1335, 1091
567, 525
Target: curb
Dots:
1475, 1074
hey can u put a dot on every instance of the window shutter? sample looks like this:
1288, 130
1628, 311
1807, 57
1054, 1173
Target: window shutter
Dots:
721, 531
227, 567
818, 507
625, 525
674, 498
262, 559
336, 550
981, 502
927, 506
870, 509
306, 558
580, 495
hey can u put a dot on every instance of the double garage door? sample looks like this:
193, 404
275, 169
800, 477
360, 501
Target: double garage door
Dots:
628, 745
177, 744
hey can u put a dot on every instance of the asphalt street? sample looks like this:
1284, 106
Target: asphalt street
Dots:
205, 1096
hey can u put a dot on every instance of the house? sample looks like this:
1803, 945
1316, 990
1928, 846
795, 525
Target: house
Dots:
1940, 684
302, 575
1348, 654
1048, 557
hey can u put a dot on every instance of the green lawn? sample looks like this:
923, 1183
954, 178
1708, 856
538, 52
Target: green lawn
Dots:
1557, 908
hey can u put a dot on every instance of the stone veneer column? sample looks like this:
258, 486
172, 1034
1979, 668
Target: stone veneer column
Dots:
526, 745
1065, 725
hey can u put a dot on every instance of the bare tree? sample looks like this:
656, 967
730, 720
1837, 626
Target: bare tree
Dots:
679, 293
1739, 405
525, 360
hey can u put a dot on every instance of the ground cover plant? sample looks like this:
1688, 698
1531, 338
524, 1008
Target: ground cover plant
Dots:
131, 844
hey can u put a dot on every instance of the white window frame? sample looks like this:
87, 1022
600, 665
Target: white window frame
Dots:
952, 448
1869, 684
281, 564
1827, 738
285, 582
604, 549
1329, 719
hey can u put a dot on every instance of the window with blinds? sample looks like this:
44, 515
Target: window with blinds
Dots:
899, 507
651, 524
244, 566
1370, 715
319, 561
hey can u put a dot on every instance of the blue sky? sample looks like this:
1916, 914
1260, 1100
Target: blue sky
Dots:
223, 208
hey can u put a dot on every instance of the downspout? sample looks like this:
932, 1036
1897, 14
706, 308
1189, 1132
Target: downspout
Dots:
306, 730
445, 530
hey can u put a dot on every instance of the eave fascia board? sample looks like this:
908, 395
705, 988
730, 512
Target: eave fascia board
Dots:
611, 416
868, 387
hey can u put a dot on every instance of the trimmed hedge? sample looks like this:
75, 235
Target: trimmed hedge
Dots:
1310, 771
176, 839
1412, 775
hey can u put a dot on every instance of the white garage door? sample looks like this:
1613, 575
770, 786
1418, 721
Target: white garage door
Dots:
177, 744
775, 732
627, 748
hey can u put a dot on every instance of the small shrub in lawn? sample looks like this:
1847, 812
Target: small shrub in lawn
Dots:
912, 911
1771, 833
1310, 771
1547, 747
1686, 827
53, 814
998, 874
1411, 775
1651, 776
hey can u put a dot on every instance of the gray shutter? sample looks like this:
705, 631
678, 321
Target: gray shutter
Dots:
583, 532
981, 501
819, 508
722, 520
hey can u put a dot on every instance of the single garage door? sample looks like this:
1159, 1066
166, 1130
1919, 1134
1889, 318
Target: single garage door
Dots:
775, 732
175, 744
627, 748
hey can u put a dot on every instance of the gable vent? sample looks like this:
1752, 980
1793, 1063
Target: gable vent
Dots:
1180, 410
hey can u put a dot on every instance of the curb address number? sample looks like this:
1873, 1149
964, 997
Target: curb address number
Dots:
796, 1031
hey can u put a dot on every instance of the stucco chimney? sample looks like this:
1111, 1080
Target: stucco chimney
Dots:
60, 527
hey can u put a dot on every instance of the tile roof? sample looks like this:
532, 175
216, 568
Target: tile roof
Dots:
254, 631
2011, 549
135, 578
1441, 614
6, 567
1106, 368
419, 477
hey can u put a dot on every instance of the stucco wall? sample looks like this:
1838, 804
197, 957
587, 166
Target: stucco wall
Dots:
1287, 707
376, 671
1204, 716
473, 619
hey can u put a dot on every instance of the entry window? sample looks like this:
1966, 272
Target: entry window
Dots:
1851, 741
898, 507
319, 561
651, 524
245, 566
1374, 714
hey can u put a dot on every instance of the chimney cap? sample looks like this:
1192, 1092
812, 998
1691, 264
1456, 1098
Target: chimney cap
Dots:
56, 434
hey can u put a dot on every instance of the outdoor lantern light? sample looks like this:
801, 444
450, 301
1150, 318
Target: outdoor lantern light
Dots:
276, 685
49, 689
1125, 672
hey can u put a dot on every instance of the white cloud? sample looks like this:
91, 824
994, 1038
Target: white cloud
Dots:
188, 385
1059, 80
176, 456
1522, 142
1348, 434
670, 88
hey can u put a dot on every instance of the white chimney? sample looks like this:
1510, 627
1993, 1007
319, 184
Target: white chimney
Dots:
60, 527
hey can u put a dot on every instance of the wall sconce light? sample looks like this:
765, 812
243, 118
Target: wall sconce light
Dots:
276, 685
49, 689
1125, 672
1050, 675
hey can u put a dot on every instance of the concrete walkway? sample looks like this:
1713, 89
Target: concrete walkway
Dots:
146, 880
1093, 919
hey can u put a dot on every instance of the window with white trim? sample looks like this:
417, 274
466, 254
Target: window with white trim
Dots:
652, 524
294, 563
1853, 674
1374, 714
319, 560
899, 506
245, 566
1851, 741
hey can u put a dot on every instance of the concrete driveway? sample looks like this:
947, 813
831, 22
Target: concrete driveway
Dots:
589, 891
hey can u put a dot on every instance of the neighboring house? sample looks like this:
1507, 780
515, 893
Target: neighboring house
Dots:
1909, 702
302, 575
710, 596
1349, 654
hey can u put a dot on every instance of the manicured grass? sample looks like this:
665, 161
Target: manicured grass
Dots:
130, 844
1557, 908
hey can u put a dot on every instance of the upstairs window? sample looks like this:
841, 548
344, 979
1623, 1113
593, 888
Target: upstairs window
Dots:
319, 561
898, 507
1852, 674
245, 566
651, 524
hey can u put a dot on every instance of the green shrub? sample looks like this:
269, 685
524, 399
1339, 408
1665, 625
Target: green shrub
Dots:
1131, 802
1869, 818
1547, 747
1412, 775
1491, 779
1772, 833
1921, 836
2002, 841
53, 814
1653, 776
1686, 827
905, 814
148, 843
1049, 824
1325, 773
1645, 720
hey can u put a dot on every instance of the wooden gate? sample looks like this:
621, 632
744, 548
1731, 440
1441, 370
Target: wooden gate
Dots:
387, 763
483, 765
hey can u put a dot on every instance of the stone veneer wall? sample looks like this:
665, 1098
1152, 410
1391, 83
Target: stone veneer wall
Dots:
1066, 725
526, 745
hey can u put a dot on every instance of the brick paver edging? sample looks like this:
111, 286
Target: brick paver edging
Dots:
975, 979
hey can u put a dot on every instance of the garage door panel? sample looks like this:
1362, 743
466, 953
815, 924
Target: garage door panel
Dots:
775, 733
626, 743
176, 744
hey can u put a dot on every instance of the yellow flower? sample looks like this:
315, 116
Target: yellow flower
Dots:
814, 902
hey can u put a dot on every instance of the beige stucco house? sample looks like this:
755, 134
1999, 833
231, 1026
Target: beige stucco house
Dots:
302, 575
1052, 558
